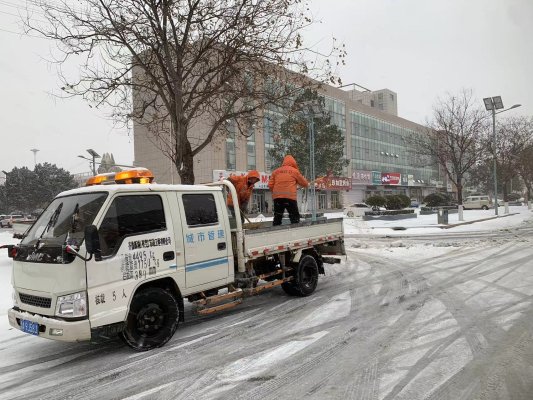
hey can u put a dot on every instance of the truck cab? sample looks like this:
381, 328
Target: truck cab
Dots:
146, 233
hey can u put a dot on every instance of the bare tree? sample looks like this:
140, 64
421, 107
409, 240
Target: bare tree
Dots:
455, 137
514, 152
174, 64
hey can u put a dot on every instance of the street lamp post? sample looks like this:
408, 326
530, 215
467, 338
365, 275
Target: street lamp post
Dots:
492, 104
94, 156
34, 156
312, 165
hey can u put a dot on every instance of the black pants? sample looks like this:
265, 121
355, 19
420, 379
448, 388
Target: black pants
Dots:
290, 205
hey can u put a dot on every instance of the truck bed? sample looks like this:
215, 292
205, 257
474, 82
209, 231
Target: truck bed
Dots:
274, 239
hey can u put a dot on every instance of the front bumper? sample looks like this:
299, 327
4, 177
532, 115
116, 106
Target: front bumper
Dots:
73, 331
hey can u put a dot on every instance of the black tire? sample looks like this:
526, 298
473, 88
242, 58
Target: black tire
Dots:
484, 208
350, 214
152, 319
290, 289
306, 276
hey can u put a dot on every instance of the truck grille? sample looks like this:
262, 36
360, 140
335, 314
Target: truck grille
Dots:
36, 301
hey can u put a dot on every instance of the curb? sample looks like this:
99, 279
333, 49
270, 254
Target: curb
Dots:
477, 220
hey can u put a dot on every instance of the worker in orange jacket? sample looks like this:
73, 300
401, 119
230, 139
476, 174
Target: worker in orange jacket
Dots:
283, 185
244, 186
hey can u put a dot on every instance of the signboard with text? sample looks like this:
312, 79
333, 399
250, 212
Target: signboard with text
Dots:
362, 178
376, 178
333, 183
390, 178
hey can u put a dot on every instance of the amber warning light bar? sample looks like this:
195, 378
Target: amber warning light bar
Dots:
136, 175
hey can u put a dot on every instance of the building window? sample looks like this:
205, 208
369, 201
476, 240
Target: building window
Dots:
230, 146
250, 149
271, 125
335, 200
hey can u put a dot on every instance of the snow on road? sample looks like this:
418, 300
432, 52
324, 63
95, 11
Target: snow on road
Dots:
398, 319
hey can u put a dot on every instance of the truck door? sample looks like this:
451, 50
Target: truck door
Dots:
137, 244
208, 255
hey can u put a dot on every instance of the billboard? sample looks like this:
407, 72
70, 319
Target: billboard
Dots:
362, 178
390, 178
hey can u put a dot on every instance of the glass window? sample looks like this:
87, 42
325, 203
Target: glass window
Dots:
230, 146
250, 148
130, 215
200, 209
65, 217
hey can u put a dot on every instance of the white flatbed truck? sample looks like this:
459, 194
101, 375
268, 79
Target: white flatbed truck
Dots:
121, 258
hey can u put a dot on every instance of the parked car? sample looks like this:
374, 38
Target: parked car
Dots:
8, 221
477, 202
356, 209
415, 203
359, 209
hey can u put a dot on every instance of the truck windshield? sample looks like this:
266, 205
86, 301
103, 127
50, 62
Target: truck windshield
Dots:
64, 221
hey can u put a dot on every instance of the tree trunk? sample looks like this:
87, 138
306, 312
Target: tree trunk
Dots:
186, 170
505, 191
459, 186
528, 187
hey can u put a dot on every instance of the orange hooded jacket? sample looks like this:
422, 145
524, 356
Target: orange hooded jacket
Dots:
283, 180
244, 191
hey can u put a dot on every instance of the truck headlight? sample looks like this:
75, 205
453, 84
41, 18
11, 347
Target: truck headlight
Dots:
72, 305
14, 296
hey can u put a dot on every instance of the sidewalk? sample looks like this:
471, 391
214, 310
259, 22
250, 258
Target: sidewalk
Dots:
474, 220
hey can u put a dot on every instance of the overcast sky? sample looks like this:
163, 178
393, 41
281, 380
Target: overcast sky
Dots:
420, 49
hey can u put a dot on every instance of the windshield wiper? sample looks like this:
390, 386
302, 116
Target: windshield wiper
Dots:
51, 222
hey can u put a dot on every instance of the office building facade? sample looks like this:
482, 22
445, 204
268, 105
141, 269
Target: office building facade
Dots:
381, 161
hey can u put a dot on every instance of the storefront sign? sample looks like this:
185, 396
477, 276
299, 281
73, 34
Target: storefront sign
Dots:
376, 178
362, 178
219, 174
390, 178
333, 183
410, 180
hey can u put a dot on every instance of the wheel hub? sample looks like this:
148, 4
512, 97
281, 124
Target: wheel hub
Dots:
150, 319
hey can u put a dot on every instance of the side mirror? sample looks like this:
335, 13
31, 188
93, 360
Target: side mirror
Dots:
92, 242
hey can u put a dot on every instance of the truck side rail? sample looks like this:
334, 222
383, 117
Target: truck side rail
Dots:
239, 231
277, 239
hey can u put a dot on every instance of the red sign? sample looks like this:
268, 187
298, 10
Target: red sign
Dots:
390, 178
333, 183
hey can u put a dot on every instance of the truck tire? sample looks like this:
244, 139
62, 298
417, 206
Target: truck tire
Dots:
290, 289
152, 319
306, 276
350, 214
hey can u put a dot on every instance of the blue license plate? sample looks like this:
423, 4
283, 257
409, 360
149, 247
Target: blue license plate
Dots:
29, 327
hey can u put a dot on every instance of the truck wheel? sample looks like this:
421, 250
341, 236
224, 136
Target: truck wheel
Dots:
484, 208
350, 214
152, 319
306, 276
290, 289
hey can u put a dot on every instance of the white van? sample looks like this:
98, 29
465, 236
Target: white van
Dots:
477, 202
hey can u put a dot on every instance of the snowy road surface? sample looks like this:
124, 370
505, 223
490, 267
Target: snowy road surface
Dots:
398, 319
